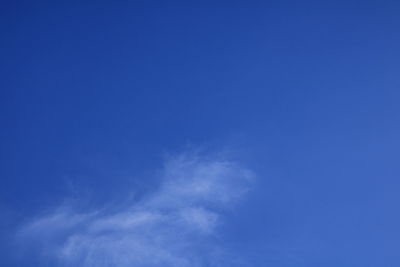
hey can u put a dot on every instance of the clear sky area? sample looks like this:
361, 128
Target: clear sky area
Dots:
200, 134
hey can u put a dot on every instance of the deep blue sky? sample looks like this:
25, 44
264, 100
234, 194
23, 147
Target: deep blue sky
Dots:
305, 93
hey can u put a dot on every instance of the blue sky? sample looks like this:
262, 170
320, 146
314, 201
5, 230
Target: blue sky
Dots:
219, 133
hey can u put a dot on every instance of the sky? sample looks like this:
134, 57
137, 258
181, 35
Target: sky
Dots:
201, 134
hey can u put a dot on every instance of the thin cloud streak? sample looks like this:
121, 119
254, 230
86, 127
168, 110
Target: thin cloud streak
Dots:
176, 225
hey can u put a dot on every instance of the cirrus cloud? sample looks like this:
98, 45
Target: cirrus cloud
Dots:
175, 225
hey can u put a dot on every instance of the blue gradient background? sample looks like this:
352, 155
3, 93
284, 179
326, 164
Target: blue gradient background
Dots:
306, 94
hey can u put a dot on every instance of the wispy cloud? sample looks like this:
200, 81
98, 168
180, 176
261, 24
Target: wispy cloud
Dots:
175, 225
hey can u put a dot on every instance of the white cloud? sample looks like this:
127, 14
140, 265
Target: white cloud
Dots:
175, 225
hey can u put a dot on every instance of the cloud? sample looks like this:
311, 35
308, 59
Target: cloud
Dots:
175, 225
